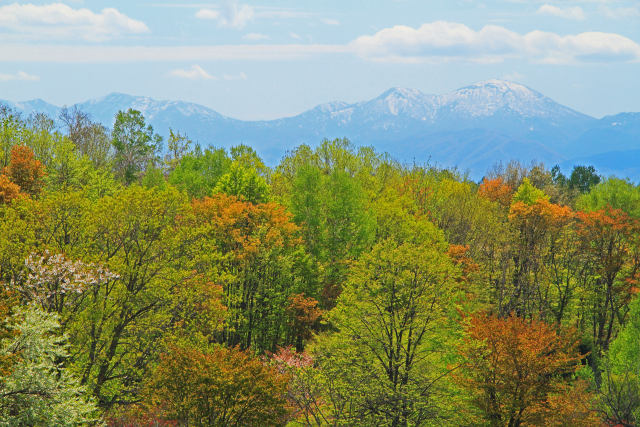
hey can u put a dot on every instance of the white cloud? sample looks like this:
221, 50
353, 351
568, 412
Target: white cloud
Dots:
332, 22
20, 75
60, 21
255, 37
575, 13
441, 40
435, 42
295, 36
231, 14
196, 72
57, 53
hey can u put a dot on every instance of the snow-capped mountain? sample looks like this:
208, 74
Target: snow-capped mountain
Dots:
471, 128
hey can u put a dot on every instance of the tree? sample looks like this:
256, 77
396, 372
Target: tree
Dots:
217, 387
389, 320
583, 178
91, 139
248, 158
244, 183
39, 134
8, 190
516, 370
12, 133
528, 194
135, 144
198, 173
607, 243
304, 316
612, 192
621, 388
256, 255
25, 171
138, 235
496, 191
178, 146
39, 390
539, 233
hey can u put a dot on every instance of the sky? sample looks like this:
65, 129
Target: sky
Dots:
268, 59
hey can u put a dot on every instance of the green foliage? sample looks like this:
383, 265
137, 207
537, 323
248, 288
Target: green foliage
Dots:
135, 143
583, 178
387, 352
247, 157
39, 391
243, 183
12, 132
528, 194
154, 178
198, 173
621, 397
178, 146
614, 192
159, 273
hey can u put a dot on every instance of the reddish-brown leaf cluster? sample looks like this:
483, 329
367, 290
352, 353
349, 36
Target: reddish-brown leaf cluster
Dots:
8, 190
459, 255
217, 387
496, 190
304, 314
518, 370
25, 170
243, 227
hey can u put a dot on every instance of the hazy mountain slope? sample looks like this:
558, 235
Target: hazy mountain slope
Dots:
471, 128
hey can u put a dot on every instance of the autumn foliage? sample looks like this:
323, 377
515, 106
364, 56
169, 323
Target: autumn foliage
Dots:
8, 190
218, 387
496, 190
515, 368
304, 316
25, 170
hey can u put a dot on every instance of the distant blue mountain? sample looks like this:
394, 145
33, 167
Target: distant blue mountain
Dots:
471, 128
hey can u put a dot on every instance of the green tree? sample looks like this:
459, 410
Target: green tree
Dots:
39, 391
528, 194
135, 144
178, 145
621, 388
583, 178
12, 132
612, 192
91, 139
198, 173
244, 183
387, 351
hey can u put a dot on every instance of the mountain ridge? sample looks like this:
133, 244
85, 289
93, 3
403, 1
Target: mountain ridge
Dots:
497, 120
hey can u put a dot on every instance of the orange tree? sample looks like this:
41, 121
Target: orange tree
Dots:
8, 190
495, 190
25, 171
540, 229
518, 372
610, 264
256, 254
217, 387
304, 316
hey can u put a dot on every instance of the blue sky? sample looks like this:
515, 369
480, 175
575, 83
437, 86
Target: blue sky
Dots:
266, 59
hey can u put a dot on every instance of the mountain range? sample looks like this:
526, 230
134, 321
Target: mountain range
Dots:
471, 128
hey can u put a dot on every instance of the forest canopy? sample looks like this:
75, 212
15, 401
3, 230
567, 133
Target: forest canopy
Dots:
150, 282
